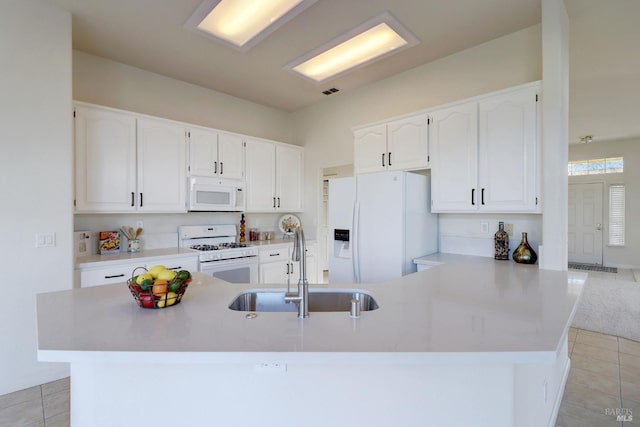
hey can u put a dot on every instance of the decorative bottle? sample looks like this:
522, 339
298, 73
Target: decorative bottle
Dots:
242, 230
501, 242
524, 254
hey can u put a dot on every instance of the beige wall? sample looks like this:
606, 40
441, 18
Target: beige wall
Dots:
101, 81
35, 179
613, 256
325, 128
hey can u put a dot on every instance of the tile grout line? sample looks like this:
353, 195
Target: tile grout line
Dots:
619, 376
42, 404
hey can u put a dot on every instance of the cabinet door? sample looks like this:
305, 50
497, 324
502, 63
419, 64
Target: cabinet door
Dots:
203, 152
260, 160
162, 171
231, 156
370, 149
289, 178
274, 273
105, 145
407, 143
508, 152
454, 155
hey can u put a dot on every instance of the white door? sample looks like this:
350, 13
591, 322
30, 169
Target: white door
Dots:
105, 160
370, 149
407, 143
230, 156
162, 166
380, 224
260, 162
203, 152
453, 140
507, 151
289, 178
585, 223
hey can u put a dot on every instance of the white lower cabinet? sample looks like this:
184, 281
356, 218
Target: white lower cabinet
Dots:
120, 272
175, 263
276, 266
106, 276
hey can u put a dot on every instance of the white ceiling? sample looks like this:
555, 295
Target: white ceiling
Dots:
149, 34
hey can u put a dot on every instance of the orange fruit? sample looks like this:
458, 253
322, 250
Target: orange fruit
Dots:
159, 287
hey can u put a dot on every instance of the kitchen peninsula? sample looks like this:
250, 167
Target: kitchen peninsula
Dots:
472, 341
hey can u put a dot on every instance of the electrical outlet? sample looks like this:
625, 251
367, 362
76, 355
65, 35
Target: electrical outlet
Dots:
509, 229
484, 227
140, 224
271, 368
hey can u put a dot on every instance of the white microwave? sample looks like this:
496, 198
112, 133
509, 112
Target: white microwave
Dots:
215, 195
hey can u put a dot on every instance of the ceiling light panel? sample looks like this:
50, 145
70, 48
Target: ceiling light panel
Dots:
371, 41
243, 23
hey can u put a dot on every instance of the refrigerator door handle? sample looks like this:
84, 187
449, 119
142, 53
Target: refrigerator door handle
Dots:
355, 255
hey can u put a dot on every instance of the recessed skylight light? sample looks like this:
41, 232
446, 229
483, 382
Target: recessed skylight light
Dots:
371, 41
243, 23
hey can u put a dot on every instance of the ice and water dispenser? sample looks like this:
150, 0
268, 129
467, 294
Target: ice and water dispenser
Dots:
341, 243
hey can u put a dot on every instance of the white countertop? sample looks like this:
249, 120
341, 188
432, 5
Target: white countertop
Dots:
91, 261
469, 309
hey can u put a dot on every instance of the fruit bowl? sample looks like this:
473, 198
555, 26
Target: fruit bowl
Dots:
158, 287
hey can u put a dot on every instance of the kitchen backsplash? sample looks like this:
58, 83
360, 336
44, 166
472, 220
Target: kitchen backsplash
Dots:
463, 233
161, 230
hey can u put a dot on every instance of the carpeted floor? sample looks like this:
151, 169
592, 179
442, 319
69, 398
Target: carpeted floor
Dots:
610, 304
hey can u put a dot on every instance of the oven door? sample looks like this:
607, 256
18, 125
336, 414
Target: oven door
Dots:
239, 270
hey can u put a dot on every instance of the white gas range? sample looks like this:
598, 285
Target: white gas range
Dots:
219, 254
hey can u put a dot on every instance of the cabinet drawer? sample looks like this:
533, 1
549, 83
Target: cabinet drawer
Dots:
273, 255
106, 276
181, 263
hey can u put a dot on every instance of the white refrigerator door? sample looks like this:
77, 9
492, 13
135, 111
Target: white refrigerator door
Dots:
342, 193
380, 235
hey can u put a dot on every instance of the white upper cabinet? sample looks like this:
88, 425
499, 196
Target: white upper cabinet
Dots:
289, 179
105, 160
401, 144
260, 160
454, 161
215, 154
162, 168
125, 163
370, 149
408, 143
274, 176
508, 152
484, 154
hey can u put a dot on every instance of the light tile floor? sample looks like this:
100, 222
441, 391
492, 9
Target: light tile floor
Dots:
604, 381
45, 405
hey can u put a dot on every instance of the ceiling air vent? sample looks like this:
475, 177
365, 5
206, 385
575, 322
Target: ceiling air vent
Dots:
330, 91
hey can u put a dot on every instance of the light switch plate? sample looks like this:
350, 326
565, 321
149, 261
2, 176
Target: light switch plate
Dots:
45, 240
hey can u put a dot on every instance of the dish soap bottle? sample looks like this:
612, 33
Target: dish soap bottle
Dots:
501, 243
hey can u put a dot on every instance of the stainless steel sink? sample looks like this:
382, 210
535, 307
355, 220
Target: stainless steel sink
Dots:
319, 300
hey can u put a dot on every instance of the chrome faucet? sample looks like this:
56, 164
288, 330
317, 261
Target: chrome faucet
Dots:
299, 254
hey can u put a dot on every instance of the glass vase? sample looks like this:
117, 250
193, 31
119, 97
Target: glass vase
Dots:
501, 243
524, 254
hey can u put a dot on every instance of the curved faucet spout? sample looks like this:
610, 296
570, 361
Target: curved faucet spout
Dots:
299, 254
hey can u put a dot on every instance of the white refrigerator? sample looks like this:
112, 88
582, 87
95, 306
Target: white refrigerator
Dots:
378, 223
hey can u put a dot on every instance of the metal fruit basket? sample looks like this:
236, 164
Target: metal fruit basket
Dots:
157, 295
